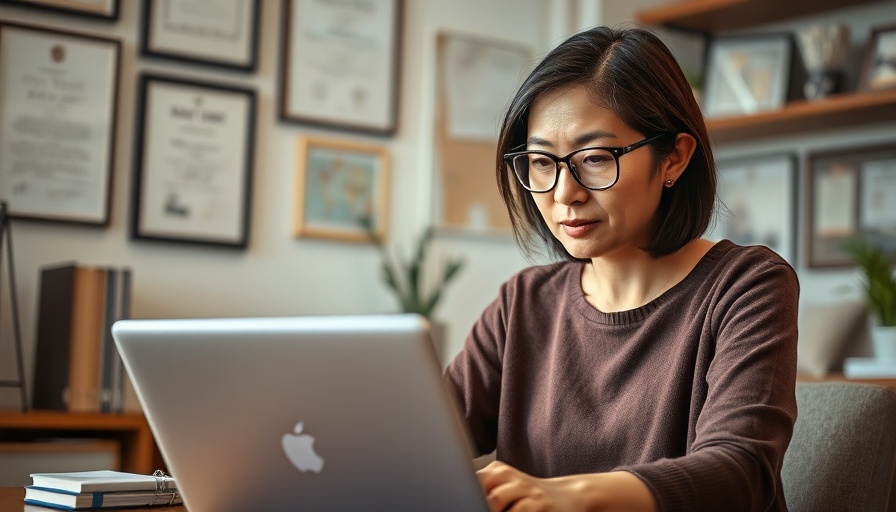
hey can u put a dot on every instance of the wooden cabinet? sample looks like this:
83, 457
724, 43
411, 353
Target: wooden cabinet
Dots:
130, 430
843, 110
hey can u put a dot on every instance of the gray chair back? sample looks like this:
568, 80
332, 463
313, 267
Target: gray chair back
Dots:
843, 449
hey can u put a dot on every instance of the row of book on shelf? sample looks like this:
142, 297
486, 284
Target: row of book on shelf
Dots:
101, 489
77, 367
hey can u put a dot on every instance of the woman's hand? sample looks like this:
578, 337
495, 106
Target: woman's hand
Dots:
509, 489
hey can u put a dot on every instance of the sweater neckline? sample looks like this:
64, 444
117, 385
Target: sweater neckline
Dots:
696, 276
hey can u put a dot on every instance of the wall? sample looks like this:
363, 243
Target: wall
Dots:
281, 275
278, 274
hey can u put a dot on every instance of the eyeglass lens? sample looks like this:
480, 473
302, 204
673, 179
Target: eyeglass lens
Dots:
595, 168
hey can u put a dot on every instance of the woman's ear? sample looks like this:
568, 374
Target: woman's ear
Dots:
680, 157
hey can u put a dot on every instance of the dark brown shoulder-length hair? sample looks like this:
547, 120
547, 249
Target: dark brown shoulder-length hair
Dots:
633, 73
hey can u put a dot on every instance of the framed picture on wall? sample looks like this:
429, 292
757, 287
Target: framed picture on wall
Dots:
340, 64
58, 103
475, 77
747, 74
98, 9
193, 162
879, 69
758, 197
340, 185
221, 33
851, 196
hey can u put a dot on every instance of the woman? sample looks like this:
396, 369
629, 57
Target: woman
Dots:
651, 369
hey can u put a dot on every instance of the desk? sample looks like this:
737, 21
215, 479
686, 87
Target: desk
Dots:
138, 450
12, 499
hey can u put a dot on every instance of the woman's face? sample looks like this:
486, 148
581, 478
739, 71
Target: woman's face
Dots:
592, 224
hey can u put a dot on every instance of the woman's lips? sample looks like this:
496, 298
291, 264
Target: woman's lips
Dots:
578, 228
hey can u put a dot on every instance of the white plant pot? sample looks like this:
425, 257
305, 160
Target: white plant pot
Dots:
883, 342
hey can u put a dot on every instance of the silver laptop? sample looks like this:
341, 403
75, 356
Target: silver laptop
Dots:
301, 413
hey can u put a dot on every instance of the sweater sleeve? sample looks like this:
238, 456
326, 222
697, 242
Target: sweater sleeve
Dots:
734, 459
474, 377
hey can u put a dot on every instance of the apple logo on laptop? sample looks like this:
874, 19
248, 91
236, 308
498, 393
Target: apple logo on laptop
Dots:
299, 449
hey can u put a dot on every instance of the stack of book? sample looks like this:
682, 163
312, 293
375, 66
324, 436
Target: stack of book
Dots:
100, 489
77, 367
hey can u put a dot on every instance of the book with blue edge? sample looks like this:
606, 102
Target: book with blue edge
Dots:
101, 489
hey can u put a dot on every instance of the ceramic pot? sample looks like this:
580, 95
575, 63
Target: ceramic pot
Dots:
883, 342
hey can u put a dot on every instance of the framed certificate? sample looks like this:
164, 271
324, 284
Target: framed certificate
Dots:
221, 33
758, 196
852, 193
58, 102
341, 64
339, 184
193, 162
99, 9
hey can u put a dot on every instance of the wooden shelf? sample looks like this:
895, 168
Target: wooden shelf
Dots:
844, 110
138, 450
707, 16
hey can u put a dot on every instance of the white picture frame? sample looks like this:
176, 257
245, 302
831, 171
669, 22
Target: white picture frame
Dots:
747, 74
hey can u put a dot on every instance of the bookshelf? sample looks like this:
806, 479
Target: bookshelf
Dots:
137, 447
708, 17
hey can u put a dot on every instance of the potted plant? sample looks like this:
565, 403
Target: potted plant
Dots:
880, 291
416, 290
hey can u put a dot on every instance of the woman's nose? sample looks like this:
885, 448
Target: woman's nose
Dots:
568, 190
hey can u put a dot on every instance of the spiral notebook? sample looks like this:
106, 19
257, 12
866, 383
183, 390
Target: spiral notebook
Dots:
302, 413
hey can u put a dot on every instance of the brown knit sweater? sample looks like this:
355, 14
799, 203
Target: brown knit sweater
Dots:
692, 392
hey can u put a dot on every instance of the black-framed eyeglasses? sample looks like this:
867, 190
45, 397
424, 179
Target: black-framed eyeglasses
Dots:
595, 168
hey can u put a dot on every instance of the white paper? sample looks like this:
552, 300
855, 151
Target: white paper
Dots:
758, 194
879, 196
219, 30
479, 80
55, 125
834, 202
341, 62
194, 158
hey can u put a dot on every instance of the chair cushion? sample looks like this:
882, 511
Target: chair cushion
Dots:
843, 449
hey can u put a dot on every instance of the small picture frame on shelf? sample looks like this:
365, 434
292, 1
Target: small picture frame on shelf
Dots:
851, 196
879, 68
193, 162
106, 10
338, 185
758, 198
222, 34
747, 74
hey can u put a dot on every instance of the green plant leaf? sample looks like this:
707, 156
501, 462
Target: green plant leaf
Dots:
878, 280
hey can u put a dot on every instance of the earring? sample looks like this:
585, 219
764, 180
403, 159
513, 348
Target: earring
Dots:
669, 183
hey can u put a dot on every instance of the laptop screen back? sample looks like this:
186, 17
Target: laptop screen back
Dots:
301, 413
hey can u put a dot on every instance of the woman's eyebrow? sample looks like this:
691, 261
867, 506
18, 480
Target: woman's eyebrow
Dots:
580, 140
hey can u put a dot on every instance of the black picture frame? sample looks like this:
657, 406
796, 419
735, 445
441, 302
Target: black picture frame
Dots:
361, 93
758, 202
232, 43
110, 13
193, 161
851, 193
57, 148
